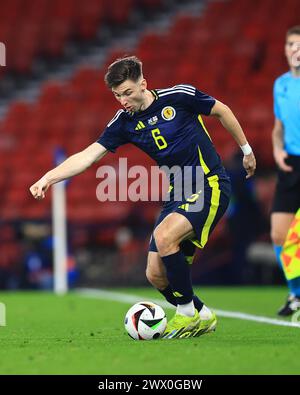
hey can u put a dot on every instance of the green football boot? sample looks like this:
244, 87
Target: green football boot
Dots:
180, 325
205, 326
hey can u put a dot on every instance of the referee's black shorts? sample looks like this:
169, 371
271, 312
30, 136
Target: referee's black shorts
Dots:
287, 193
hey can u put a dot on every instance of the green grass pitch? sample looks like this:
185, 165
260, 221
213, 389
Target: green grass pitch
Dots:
48, 334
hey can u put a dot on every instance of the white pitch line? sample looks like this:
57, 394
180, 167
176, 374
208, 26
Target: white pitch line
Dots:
129, 298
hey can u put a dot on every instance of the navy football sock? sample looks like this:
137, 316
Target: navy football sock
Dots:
197, 303
178, 274
168, 294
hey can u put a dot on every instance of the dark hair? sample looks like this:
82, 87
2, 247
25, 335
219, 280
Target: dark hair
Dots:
127, 68
293, 30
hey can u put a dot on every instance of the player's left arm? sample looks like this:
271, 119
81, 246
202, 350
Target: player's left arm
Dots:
230, 123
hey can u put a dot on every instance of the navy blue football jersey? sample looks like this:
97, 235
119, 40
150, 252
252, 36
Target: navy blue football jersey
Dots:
170, 130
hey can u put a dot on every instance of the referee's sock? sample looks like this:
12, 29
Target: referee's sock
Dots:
168, 294
178, 274
294, 285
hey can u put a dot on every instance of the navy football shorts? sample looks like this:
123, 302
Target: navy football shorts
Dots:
216, 197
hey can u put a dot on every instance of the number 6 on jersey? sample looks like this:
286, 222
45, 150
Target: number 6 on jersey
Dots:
159, 139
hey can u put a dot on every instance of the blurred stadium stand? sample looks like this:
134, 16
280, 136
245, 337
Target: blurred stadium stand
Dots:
231, 49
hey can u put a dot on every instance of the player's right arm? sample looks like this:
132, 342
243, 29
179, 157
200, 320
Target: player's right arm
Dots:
72, 166
278, 148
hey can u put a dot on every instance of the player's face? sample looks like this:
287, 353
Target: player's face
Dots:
292, 50
131, 94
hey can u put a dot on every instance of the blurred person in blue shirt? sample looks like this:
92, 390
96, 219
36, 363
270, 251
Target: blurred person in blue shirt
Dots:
286, 150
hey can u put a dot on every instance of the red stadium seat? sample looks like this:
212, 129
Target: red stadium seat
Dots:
45, 26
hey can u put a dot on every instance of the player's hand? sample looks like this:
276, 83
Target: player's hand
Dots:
280, 155
39, 189
249, 163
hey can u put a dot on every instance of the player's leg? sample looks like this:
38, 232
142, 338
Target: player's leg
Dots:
157, 276
156, 272
187, 222
216, 199
168, 235
188, 321
285, 205
190, 223
280, 225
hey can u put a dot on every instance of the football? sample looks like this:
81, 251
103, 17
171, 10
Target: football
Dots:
145, 321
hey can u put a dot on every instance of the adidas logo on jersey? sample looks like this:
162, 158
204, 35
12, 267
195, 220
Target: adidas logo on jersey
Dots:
140, 126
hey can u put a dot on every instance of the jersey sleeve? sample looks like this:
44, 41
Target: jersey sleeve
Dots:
113, 135
196, 101
275, 98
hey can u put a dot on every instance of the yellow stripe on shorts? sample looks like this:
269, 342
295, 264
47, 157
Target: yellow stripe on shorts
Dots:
214, 205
